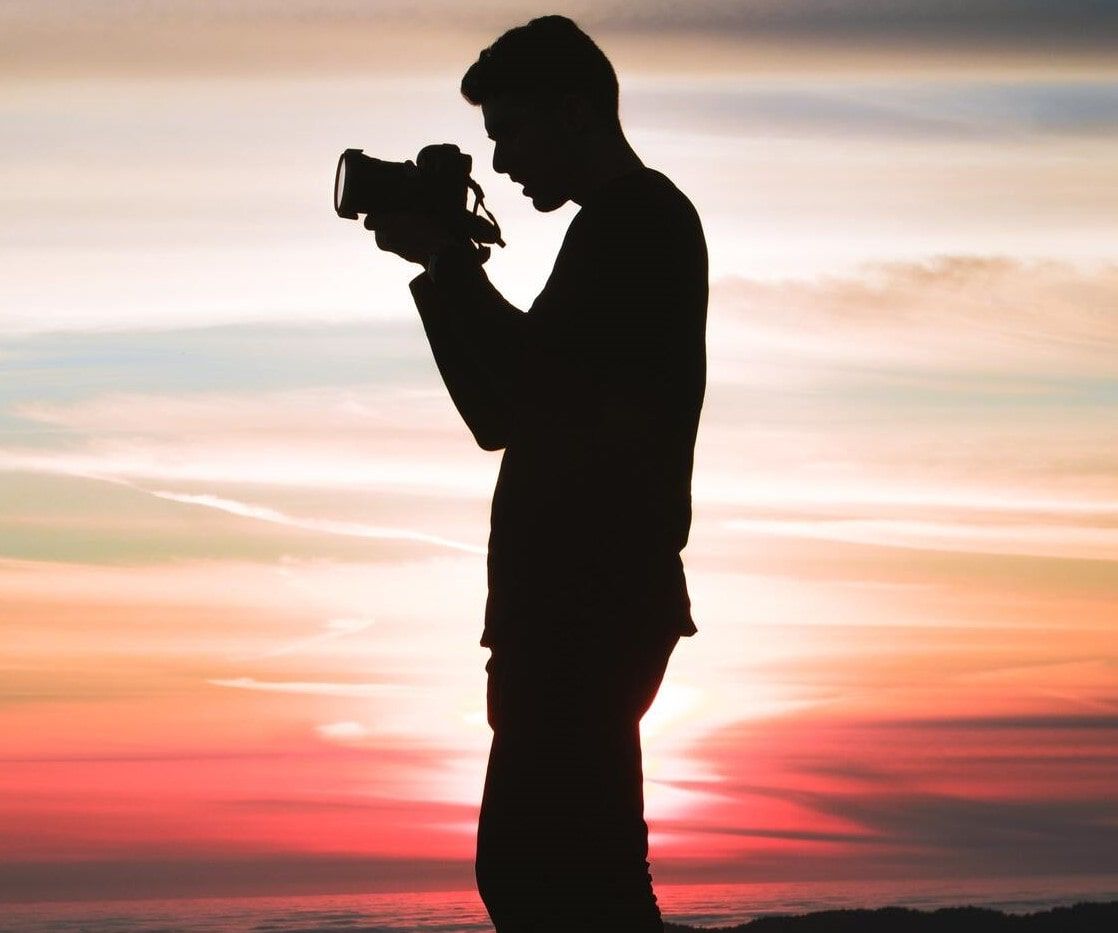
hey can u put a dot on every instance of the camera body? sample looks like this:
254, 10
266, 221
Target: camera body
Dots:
437, 182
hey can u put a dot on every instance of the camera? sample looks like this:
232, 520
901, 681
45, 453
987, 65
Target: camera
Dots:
437, 182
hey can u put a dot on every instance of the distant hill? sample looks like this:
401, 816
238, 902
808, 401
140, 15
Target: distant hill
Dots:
1082, 918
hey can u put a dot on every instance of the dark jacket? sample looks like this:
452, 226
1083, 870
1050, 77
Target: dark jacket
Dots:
594, 394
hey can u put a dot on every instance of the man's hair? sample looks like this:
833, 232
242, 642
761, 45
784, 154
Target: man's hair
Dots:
544, 60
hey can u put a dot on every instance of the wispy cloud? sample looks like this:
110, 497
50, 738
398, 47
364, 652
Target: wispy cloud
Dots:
349, 529
1023, 790
396, 40
335, 629
999, 23
310, 688
342, 731
1053, 540
983, 23
346, 436
990, 315
926, 108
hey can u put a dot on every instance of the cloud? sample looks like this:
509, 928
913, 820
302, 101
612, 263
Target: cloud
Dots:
961, 403
1035, 835
310, 688
335, 629
920, 108
159, 36
326, 526
336, 437
1000, 21
175, 874
757, 832
327, 411
973, 535
946, 833
1014, 723
989, 315
1017, 792
342, 731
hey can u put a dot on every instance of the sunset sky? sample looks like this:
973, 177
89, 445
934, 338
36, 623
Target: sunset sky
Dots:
242, 529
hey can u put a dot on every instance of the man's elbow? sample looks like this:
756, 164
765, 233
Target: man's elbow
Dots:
489, 440
490, 433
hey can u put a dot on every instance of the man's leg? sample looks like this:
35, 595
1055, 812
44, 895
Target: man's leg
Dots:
562, 841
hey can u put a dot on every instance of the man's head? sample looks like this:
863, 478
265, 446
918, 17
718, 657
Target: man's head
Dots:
549, 96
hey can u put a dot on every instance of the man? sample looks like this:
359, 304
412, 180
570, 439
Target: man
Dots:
594, 396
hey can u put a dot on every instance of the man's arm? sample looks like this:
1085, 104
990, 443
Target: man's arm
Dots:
490, 327
476, 336
483, 398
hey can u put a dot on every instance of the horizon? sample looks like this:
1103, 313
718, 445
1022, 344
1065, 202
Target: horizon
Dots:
461, 911
242, 530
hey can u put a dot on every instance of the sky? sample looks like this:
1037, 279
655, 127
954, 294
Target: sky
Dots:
242, 530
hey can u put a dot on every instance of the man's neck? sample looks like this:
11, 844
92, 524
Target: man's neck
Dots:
602, 163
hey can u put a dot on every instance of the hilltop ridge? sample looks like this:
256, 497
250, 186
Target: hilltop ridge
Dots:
1080, 918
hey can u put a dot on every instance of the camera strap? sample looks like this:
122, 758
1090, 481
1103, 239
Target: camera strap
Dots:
479, 204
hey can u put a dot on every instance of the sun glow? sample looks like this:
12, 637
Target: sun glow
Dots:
674, 710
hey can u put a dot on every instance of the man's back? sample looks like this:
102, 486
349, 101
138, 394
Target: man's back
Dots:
592, 504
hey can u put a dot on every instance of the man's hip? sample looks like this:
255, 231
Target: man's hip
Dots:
580, 680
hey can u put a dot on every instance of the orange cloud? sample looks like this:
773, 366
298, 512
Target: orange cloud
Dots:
988, 315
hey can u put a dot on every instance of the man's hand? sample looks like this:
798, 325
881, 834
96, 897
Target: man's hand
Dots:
412, 235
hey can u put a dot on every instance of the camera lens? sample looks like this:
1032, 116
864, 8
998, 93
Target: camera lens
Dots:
339, 185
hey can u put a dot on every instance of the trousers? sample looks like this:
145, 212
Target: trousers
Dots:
562, 844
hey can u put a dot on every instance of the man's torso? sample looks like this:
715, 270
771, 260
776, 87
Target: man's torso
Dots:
592, 505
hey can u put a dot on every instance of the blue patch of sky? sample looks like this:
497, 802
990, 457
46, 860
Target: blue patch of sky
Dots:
60, 368
956, 391
947, 108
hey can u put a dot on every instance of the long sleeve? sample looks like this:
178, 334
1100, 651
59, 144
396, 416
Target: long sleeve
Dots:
477, 338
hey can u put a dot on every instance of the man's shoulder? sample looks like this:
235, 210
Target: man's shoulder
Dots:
660, 185
638, 188
644, 202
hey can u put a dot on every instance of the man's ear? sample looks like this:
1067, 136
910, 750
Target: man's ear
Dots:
576, 114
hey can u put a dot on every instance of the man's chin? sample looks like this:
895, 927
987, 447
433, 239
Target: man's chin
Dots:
545, 203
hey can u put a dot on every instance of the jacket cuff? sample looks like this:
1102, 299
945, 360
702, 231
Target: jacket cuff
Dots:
451, 262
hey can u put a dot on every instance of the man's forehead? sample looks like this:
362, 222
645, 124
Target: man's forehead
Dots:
502, 111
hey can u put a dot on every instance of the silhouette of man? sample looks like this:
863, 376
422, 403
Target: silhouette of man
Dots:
594, 396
